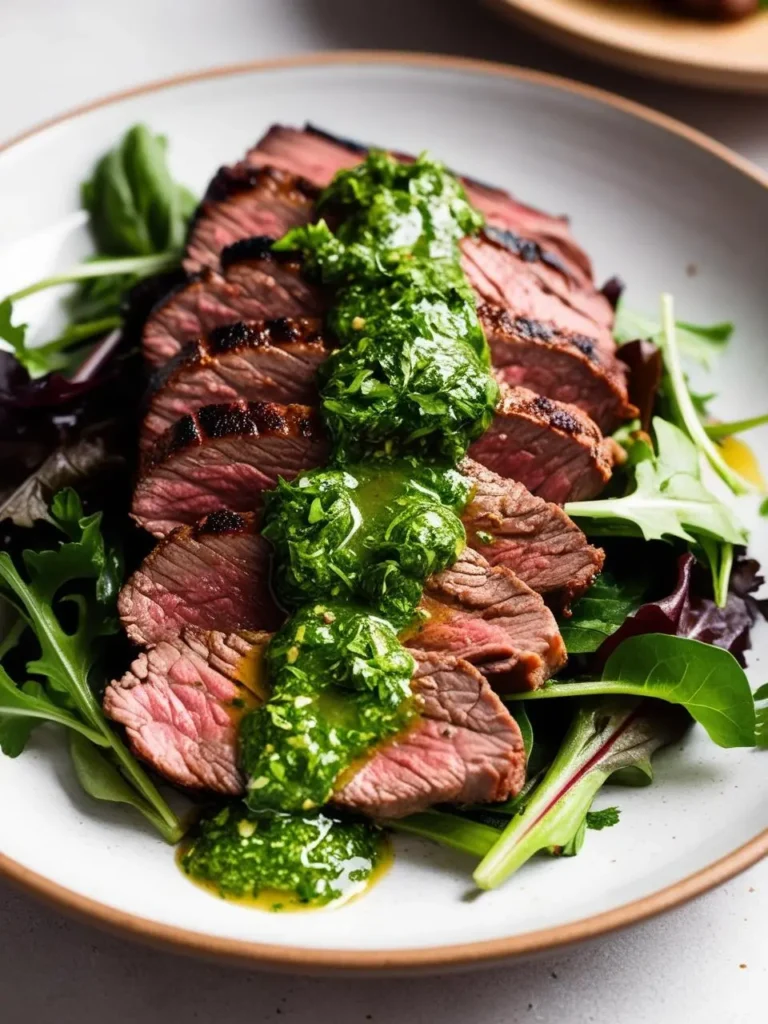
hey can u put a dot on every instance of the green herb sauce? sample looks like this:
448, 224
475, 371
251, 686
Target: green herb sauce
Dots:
370, 532
305, 858
405, 393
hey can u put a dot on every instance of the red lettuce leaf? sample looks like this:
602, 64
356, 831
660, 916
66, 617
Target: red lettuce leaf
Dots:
645, 371
689, 611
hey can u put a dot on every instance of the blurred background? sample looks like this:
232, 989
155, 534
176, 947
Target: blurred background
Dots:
708, 959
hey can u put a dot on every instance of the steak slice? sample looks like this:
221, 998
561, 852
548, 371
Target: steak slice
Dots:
242, 202
317, 155
534, 538
257, 360
466, 748
215, 573
224, 456
181, 703
254, 284
558, 364
490, 618
517, 275
554, 449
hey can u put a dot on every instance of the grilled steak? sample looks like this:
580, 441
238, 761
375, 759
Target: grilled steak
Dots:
466, 748
181, 702
490, 618
317, 156
558, 364
214, 574
532, 537
258, 360
254, 284
516, 274
555, 450
224, 456
242, 202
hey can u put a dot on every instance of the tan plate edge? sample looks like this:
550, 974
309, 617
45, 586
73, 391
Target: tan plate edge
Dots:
569, 31
427, 958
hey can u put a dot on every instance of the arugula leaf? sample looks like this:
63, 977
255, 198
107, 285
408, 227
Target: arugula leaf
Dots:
685, 410
605, 736
717, 431
64, 693
607, 818
669, 500
707, 681
702, 343
764, 508
603, 610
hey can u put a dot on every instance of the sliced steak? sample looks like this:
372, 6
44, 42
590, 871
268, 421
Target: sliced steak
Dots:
516, 274
244, 201
224, 456
317, 155
493, 620
213, 574
254, 284
181, 703
466, 748
554, 449
257, 360
534, 538
558, 364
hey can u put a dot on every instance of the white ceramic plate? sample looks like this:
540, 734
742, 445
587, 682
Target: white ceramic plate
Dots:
649, 199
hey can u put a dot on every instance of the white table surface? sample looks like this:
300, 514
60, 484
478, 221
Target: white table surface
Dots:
706, 961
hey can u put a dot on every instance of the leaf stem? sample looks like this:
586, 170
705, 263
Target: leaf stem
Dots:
450, 830
100, 268
717, 431
689, 418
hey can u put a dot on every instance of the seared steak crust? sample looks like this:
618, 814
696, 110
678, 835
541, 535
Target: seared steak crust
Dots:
554, 449
256, 284
224, 456
534, 538
559, 364
493, 620
262, 360
242, 201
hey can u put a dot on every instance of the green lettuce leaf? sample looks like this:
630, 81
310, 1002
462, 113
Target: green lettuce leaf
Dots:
707, 681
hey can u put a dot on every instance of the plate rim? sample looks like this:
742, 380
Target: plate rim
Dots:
564, 29
424, 958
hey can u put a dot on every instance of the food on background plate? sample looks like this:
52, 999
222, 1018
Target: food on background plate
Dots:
384, 426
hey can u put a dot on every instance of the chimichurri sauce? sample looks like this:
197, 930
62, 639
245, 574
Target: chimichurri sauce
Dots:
309, 859
403, 395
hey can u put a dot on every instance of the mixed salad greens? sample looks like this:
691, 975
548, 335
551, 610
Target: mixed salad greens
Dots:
658, 641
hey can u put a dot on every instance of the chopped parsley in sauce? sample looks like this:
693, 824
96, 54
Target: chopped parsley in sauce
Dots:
403, 395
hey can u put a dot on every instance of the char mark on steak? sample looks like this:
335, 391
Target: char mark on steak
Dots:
559, 364
554, 449
257, 360
466, 748
224, 456
519, 280
317, 156
180, 704
245, 201
534, 538
256, 284
211, 575
490, 618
